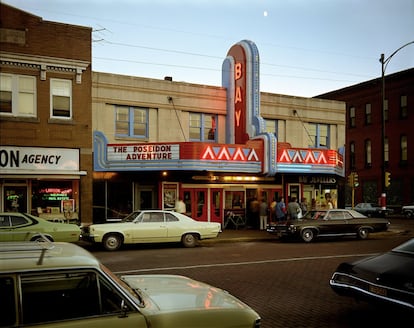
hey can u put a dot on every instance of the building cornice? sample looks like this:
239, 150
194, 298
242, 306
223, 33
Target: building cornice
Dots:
45, 64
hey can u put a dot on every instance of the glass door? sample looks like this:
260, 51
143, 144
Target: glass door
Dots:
216, 205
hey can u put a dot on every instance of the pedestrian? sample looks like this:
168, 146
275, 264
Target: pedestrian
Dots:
303, 206
329, 202
254, 210
180, 206
273, 210
293, 209
280, 210
263, 214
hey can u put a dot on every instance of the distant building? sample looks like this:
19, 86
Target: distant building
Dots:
45, 116
363, 137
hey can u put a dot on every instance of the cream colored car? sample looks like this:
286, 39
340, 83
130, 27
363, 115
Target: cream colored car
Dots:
46, 284
151, 226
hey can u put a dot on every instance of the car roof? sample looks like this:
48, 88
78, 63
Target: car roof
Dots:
37, 256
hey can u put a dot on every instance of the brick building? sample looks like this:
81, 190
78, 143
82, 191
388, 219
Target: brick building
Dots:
45, 116
364, 137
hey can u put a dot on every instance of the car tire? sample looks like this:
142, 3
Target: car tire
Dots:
307, 235
189, 240
112, 242
363, 233
42, 239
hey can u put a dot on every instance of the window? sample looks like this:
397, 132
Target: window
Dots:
271, 126
386, 111
7, 302
352, 120
368, 114
403, 107
61, 99
17, 95
319, 135
386, 150
131, 122
368, 159
404, 148
352, 155
203, 127
66, 296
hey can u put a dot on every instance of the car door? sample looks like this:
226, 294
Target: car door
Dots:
335, 223
5, 228
75, 298
21, 228
150, 228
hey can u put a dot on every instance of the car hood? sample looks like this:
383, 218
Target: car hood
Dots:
175, 293
392, 269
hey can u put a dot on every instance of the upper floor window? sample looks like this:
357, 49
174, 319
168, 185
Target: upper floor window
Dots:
352, 155
17, 95
319, 134
404, 148
352, 119
386, 110
368, 114
203, 127
271, 126
386, 150
61, 98
368, 156
403, 107
131, 121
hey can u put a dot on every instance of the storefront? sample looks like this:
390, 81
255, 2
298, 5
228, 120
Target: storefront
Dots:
41, 181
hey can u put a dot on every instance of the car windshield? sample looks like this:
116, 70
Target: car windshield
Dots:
131, 217
407, 247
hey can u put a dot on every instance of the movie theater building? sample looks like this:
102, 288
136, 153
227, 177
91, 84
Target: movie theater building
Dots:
217, 148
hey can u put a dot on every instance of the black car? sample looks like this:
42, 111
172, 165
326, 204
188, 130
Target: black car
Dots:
387, 278
372, 210
329, 223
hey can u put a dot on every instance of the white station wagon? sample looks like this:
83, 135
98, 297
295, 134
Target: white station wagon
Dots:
151, 226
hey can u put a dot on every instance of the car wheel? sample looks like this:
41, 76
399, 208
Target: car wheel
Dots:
409, 214
42, 239
189, 240
308, 235
112, 242
363, 233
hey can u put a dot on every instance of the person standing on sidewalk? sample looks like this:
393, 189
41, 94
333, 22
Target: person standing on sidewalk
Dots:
263, 214
280, 210
293, 209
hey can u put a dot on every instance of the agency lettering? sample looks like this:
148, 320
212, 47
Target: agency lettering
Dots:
14, 159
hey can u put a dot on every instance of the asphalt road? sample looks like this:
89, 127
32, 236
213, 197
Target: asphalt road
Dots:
286, 283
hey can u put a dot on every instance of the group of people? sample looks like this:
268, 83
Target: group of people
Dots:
277, 211
293, 211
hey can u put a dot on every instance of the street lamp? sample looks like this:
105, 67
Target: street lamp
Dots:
384, 63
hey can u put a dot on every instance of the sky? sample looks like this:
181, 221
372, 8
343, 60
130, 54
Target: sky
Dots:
306, 47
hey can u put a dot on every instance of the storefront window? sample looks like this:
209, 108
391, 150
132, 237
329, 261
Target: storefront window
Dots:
234, 199
48, 196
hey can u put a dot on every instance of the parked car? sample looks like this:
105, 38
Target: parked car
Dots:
408, 211
61, 284
16, 226
151, 226
372, 210
329, 223
386, 278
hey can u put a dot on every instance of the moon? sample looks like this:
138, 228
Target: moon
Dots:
265, 13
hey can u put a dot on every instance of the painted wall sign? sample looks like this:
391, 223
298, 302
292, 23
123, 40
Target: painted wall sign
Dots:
37, 158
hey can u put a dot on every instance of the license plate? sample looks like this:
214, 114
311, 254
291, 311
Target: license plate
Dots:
378, 290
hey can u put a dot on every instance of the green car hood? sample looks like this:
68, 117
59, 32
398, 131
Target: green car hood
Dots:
179, 293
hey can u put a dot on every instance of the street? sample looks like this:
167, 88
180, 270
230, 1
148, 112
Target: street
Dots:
286, 283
